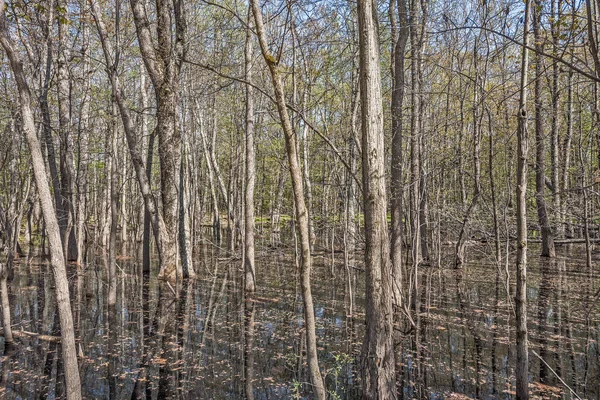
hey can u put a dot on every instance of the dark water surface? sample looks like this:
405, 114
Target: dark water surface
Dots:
207, 340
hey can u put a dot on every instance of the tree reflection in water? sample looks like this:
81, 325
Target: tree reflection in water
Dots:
207, 339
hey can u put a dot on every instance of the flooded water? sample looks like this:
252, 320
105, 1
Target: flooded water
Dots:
211, 342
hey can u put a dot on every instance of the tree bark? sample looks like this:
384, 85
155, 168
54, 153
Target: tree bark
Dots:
67, 163
163, 63
397, 184
540, 140
249, 269
160, 231
301, 210
378, 361
522, 366
57, 259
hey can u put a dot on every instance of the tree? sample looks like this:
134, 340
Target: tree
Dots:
57, 260
397, 181
301, 211
540, 145
250, 271
522, 366
163, 62
378, 365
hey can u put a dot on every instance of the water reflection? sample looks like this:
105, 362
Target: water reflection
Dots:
207, 339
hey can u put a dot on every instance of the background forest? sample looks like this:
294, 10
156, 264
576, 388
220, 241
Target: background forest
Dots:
209, 155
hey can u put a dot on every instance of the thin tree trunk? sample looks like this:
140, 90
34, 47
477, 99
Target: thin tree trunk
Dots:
66, 143
565, 220
415, 165
150, 152
540, 145
522, 366
83, 144
249, 269
397, 184
57, 260
211, 180
301, 210
114, 213
555, 14
461, 242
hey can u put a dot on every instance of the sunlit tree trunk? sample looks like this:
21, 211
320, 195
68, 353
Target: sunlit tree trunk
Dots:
555, 14
464, 230
378, 365
83, 146
397, 183
163, 64
249, 270
160, 231
522, 366
540, 140
114, 212
67, 163
300, 204
57, 260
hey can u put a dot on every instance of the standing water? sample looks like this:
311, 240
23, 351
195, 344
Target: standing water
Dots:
205, 340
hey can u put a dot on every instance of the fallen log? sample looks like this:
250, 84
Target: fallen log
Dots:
21, 333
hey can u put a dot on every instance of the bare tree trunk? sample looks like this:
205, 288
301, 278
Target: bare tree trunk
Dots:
150, 151
163, 63
211, 179
64, 118
461, 242
158, 223
378, 361
397, 184
83, 144
47, 129
69, 355
415, 164
540, 145
249, 270
522, 366
493, 187
565, 221
185, 243
555, 14
301, 210
6, 320
114, 213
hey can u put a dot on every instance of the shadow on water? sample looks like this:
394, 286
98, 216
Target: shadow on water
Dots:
207, 339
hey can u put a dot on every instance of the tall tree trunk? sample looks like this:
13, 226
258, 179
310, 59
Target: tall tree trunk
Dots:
301, 211
378, 362
540, 140
160, 231
47, 128
114, 212
149, 153
249, 269
163, 63
415, 125
555, 14
463, 234
397, 184
565, 220
522, 366
57, 259
83, 145
66, 139
211, 178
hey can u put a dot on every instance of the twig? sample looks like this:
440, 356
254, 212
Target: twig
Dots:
555, 374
